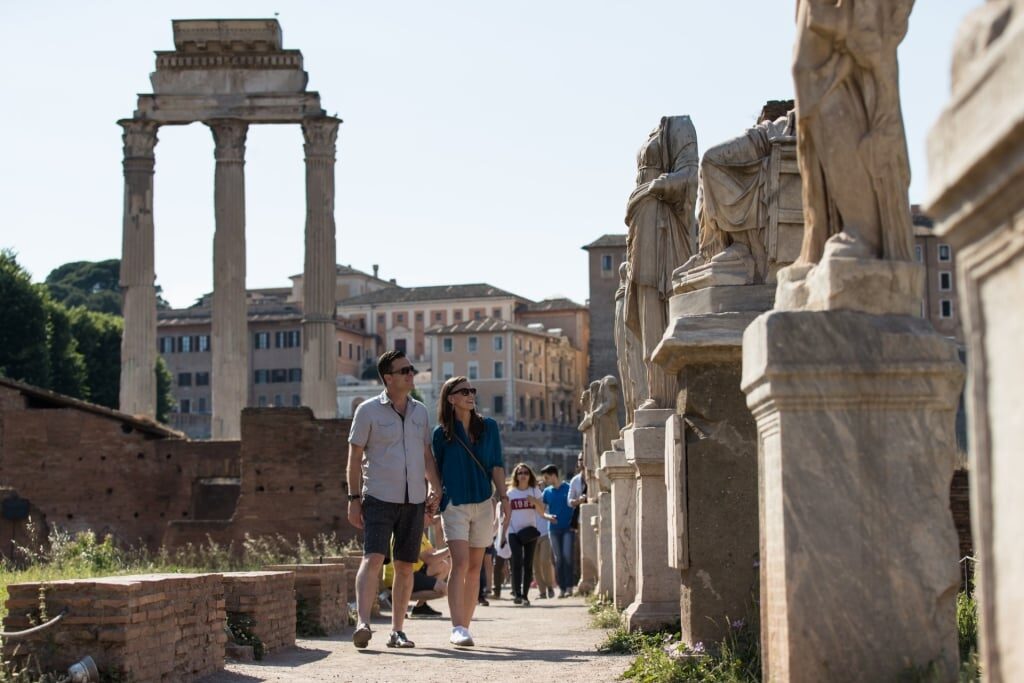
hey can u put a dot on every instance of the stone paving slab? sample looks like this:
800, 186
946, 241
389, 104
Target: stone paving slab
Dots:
548, 641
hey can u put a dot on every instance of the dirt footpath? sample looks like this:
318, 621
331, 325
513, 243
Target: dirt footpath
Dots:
550, 641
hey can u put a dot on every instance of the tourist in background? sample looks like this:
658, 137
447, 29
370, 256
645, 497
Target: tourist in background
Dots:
543, 563
467, 449
559, 514
520, 529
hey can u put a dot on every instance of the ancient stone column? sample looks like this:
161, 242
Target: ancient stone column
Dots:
138, 343
319, 390
230, 338
976, 183
588, 549
622, 482
656, 602
605, 552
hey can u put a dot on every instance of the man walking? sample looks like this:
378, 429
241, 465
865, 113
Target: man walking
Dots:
389, 467
559, 514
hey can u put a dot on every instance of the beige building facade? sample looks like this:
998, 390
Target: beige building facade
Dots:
939, 304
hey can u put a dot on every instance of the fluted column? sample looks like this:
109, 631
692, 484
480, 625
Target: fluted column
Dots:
230, 343
138, 343
319, 390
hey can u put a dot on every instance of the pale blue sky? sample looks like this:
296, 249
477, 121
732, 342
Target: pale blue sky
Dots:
483, 141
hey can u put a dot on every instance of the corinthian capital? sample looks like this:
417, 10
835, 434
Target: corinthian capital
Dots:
139, 137
228, 138
320, 134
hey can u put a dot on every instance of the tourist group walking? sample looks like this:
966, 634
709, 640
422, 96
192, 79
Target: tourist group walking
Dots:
407, 469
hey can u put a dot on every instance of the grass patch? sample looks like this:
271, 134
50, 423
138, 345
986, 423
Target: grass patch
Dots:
603, 614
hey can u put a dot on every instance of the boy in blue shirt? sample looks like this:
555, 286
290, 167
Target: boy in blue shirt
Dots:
556, 498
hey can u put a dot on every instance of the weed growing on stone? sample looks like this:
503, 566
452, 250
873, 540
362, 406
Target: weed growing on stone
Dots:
603, 615
240, 628
305, 625
664, 657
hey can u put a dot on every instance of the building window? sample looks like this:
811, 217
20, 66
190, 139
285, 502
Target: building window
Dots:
184, 406
380, 319
540, 403
261, 340
471, 344
339, 350
519, 374
447, 344
946, 308
522, 407
351, 355
262, 401
458, 316
359, 353
184, 379
473, 370
606, 263
438, 316
261, 376
399, 318
529, 346
447, 370
165, 345
478, 315
286, 339
202, 380
499, 343
499, 405
419, 317
945, 253
496, 313
919, 253
278, 375
499, 369
185, 344
529, 373
400, 345
294, 374
296, 401
201, 405
278, 402
945, 281
204, 343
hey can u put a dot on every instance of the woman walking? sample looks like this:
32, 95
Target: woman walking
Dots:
521, 529
467, 449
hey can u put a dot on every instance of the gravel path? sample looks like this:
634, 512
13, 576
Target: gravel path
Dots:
549, 642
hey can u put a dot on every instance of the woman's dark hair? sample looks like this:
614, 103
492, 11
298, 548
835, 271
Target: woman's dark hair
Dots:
446, 413
523, 466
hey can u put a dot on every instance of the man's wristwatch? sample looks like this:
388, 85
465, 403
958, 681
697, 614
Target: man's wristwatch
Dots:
354, 496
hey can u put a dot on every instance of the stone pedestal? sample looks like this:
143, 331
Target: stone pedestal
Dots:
137, 278
656, 602
588, 549
622, 522
976, 170
855, 415
319, 340
711, 471
229, 381
605, 552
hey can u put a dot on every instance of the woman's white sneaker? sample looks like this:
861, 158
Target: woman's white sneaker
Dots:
460, 637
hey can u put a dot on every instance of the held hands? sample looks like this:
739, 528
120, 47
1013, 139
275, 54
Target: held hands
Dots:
433, 500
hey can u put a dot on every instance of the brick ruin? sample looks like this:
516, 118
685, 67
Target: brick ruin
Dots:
78, 466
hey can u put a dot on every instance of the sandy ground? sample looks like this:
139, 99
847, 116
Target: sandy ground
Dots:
548, 642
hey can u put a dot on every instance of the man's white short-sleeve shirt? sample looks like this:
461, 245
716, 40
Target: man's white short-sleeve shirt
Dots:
394, 449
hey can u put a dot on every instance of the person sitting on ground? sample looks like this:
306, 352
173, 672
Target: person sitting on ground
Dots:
429, 577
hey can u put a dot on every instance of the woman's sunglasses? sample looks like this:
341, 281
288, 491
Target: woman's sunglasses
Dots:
465, 392
522, 474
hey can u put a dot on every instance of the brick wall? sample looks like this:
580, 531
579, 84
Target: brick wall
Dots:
324, 590
156, 627
268, 598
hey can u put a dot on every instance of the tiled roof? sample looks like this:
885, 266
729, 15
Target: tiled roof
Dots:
483, 325
393, 295
559, 304
616, 240
44, 397
256, 312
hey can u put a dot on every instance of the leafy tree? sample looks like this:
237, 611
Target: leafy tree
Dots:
164, 397
96, 285
99, 341
23, 325
68, 373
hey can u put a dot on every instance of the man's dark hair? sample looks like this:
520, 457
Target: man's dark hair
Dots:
385, 361
549, 469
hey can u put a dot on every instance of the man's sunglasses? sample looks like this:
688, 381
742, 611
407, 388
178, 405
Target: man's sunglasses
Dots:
407, 370
465, 392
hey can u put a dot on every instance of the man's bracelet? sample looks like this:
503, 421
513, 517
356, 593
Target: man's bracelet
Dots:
355, 496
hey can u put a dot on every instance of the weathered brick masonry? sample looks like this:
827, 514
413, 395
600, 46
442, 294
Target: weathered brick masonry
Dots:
157, 627
323, 589
269, 599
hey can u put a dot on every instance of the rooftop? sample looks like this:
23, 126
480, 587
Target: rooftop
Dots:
394, 295
556, 304
605, 241
487, 325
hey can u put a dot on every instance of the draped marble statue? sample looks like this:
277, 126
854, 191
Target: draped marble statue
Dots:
605, 419
733, 207
586, 422
632, 373
660, 219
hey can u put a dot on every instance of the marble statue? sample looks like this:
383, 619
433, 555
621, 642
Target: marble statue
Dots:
587, 422
733, 207
604, 415
850, 137
632, 374
660, 219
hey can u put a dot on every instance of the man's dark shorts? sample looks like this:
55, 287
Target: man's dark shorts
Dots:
381, 520
422, 582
